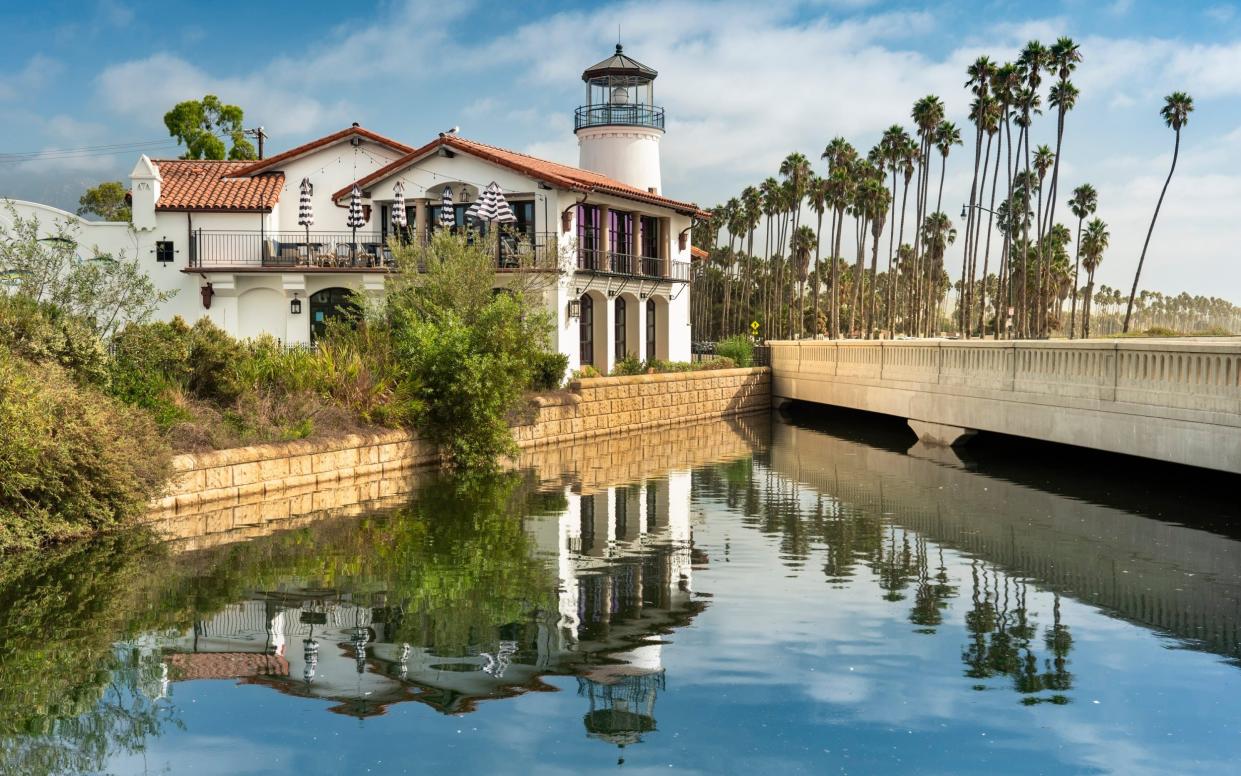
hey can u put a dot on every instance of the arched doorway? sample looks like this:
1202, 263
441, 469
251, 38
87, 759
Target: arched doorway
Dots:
329, 304
651, 342
620, 328
586, 332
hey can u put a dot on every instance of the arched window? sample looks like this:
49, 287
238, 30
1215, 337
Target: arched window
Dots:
586, 331
620, 328
330, 304
650, 328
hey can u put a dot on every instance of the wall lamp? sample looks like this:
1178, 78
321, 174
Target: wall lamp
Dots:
295, 305
575, 309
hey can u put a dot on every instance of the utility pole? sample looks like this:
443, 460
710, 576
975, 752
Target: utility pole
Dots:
260, 134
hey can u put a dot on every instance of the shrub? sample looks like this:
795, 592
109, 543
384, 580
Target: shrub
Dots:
42, 333
214, 358
629, 365
739, 347
586, 372
150, 363
549, 368
466, 352
719, 362
72, 460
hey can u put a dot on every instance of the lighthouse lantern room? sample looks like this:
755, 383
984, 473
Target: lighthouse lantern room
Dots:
619, 127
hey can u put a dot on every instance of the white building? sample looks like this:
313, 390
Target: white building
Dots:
225, 234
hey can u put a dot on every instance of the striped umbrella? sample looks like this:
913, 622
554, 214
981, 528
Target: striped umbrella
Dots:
355, 217
492, 207
398, 206
448, 217
305, 215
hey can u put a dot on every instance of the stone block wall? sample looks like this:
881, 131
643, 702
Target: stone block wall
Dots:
242, 486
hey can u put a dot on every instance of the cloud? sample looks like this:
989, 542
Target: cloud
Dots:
38, 71
1221, 14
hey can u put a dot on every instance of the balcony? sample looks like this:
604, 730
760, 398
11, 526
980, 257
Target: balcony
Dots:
611, 263
339, 251
608, 115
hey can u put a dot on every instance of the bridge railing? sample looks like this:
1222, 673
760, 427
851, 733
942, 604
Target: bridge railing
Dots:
1202, 376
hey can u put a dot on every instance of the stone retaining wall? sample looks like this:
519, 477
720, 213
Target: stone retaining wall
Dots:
237, 481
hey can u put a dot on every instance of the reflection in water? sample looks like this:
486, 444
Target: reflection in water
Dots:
836, 564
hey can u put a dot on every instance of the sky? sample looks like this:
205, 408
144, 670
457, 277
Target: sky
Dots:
743, 83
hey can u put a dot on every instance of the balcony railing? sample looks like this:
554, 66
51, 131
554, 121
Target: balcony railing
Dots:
612, 263
339, 250
619, 115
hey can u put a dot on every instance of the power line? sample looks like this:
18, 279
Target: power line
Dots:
17, 157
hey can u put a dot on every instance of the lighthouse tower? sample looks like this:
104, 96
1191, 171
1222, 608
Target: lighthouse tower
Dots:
619, 128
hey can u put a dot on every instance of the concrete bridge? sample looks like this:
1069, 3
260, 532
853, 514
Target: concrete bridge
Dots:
1170, 400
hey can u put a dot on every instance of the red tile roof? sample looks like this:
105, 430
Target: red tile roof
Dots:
190, 184
224, 665
271, 162
698, 253
559, 175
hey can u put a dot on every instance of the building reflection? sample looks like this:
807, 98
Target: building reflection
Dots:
623, 559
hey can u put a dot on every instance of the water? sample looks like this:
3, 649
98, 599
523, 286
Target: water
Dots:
806, 596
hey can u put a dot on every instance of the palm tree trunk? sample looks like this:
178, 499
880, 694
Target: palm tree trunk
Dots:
1176, 150
1040, 303
837, 230
1055, 173
900, 240
982, 303
814, 296
963, 299
1077, 265
891, 237
874, 273
1087, 303
974, 240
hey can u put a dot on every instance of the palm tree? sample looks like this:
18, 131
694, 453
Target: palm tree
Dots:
927, 114
1064, 57
802, 241
1093, 244
979, 82
819, 192
769, 189
877, 208
938, 233
1083, 205
893, 139
752, 210
1005, 85
1043, 159
1031, 61
840, 192
991, 125
1175, 112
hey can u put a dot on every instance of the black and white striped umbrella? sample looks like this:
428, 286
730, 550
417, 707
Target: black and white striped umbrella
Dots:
398, 205
492, 206
355, 209
305, 215
448, 216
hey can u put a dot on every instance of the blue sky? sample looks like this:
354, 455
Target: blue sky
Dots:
743, 84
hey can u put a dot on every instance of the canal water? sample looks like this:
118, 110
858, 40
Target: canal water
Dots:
804, 594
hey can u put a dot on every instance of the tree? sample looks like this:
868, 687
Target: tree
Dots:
107, 200
1175, 113
1093, 244
1083, 204
107, 291
201, 125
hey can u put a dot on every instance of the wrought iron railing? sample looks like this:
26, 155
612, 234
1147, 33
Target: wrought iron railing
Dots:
612, 263
619, 115
340, 250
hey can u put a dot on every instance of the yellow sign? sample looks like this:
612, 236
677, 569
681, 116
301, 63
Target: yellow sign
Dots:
754, 328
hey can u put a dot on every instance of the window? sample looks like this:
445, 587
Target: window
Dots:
328, 305
165, 253
588, 238
620, 328
620, 241
650, 328
586, 329
650, 237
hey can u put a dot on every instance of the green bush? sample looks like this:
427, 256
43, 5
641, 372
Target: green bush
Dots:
629, 365
467, 353
214, 359
42, 333
72, 460
739, 347
549, 368
585, 373
150, 361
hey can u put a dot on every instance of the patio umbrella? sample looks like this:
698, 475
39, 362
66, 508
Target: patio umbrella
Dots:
305, 215
398, 206
448, 217
355, 216
492, 207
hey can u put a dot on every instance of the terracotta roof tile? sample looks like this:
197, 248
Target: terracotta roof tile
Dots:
253, 168
561, 175
698, 253
210, 185
224, 665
